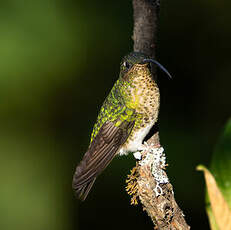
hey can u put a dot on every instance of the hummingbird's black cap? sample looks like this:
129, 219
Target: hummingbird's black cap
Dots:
141, 58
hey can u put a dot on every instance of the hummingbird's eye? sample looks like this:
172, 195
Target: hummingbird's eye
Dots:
126, 64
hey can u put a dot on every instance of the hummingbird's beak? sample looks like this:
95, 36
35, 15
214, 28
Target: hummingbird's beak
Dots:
159, 65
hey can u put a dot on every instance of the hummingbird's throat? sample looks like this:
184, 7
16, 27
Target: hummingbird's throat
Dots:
140, 90
141, 68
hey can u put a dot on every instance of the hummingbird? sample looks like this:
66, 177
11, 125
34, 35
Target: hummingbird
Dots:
125, 118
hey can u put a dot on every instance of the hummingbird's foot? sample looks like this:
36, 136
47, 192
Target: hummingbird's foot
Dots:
142, 147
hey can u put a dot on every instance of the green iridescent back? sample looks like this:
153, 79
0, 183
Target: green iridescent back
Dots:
113, 109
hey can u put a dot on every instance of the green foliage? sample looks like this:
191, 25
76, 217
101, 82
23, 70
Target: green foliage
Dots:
218, 182
221, 163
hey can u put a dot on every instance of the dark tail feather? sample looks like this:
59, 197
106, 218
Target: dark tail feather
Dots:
82, 190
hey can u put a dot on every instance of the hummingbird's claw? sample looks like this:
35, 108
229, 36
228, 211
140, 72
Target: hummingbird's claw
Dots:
142, 147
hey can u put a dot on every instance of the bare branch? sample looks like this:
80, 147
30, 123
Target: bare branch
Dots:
145, 25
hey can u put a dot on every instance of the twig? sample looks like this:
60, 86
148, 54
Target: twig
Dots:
149, 180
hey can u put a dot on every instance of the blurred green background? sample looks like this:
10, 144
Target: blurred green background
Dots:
58, 61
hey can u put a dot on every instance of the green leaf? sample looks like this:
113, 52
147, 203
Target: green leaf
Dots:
217, 208
218, 183
221, 163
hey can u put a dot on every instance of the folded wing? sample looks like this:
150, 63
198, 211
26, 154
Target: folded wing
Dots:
99, 154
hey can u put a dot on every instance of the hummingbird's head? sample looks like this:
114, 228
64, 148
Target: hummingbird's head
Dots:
137, 60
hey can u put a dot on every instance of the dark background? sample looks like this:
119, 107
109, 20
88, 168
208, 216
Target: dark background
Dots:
58, 61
